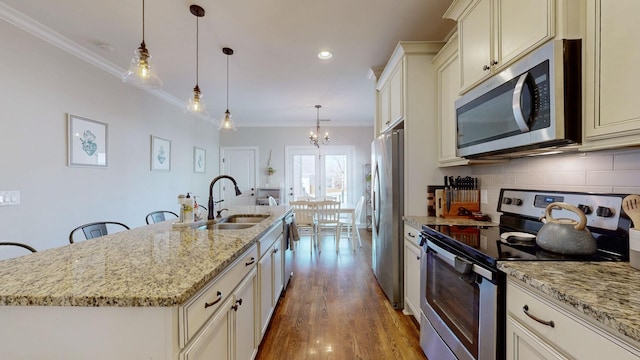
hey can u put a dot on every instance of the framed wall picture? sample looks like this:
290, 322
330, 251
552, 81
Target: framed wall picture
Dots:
160, 154
88, 142
199, 160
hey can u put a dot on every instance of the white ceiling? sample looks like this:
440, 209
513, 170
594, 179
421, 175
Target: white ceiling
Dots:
275, 78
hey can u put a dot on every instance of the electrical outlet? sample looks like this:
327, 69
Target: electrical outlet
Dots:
9, 197
484, 197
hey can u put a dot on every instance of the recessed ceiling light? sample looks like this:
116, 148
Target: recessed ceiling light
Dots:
324, 55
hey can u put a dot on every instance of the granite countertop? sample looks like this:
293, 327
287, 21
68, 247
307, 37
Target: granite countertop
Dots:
607, 292
154, 265
418, 221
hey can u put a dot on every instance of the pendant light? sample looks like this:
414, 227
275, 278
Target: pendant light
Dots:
226, 124
141, 72
195, 104
313, 137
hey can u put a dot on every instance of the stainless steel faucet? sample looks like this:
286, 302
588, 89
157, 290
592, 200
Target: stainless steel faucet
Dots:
210, 215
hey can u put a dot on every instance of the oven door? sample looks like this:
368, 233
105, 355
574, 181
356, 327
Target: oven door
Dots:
459, 302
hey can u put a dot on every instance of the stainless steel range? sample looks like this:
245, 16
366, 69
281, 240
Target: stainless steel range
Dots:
462, 291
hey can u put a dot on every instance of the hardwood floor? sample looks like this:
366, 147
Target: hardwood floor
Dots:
334, 309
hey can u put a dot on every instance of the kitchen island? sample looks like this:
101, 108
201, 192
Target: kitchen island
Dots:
116, 296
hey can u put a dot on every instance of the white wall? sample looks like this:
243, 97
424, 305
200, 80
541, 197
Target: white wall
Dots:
614, 171
39, 85
276, 138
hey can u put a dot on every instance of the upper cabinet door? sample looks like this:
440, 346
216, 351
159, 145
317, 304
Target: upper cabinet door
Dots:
475, 44
612, 117
521, 26
495, 33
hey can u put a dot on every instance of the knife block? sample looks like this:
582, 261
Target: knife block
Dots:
449, 202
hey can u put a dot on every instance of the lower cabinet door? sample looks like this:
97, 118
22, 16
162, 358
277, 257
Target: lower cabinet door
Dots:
278, 283
522, 344
244, 308
213, 341
412, 255
265, 270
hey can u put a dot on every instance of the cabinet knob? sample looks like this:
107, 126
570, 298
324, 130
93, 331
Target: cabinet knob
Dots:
486, 68
494, 62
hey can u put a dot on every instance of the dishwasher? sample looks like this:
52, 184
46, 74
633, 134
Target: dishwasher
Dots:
288, 248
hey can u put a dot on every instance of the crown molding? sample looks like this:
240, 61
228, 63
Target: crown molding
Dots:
54, 38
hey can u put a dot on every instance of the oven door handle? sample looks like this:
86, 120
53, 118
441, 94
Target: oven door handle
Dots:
462, 265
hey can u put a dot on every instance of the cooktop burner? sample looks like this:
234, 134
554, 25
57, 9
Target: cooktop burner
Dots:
514, 239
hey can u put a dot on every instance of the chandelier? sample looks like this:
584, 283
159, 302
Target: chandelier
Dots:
313, 137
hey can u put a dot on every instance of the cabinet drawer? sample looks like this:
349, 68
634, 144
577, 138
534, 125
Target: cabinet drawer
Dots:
569, 334
411, 234
204, 304
267, 240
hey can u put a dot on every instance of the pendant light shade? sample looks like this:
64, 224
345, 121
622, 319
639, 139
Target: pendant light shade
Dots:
195, 103
141, 70
226, 124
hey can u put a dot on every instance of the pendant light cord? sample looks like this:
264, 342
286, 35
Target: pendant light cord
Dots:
197, 46
143, 21
227, 82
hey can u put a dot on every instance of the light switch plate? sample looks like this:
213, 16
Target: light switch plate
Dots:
484, 198
9, 197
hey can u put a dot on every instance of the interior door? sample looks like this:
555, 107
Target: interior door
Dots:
241, 164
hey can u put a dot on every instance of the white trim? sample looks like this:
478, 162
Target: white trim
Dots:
54, 38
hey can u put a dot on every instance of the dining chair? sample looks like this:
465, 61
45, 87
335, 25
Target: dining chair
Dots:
305, 212
95, 229
9, 250
328, 219
346, 222
272, 201
159, 216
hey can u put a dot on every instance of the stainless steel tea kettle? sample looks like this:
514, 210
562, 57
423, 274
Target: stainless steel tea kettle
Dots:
566, 236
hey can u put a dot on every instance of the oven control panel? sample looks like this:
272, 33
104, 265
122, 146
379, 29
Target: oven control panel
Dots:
601, 210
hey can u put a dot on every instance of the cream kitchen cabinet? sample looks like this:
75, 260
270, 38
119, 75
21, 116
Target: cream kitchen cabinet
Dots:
270, 276
391, 97
494, 33
612, 61
211, 320
411, 63
447, 65
230, 333
538, 328
412, 254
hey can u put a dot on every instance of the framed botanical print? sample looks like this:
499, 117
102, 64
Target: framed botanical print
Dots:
160, 154
199, 160
88, 142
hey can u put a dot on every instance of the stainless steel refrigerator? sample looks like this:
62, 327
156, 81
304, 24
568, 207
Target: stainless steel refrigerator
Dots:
387, 197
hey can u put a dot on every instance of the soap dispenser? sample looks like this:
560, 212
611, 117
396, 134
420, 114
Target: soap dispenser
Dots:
188, 209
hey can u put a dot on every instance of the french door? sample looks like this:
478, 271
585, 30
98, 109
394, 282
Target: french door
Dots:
320, 173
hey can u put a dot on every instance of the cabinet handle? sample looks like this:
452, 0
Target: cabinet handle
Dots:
253, 260
486, 68
525, 309
206, 305
237, 304
418, 258
411, 235
275, 251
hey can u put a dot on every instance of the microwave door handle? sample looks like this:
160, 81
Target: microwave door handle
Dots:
516, 103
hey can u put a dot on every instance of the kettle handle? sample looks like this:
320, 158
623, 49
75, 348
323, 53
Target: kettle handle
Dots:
561, 205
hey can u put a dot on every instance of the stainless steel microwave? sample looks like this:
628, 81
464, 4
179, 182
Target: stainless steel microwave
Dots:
531, 105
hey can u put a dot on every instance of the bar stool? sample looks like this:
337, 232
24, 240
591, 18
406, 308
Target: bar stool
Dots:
95, 229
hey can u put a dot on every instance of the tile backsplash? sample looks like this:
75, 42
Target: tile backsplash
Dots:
603, 171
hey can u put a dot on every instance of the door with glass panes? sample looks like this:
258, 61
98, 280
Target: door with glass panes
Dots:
322, 173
